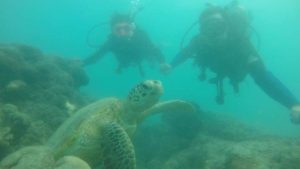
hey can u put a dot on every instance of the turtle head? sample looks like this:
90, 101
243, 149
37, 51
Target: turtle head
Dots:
144, 95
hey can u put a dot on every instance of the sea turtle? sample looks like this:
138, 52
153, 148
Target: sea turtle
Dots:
101, 132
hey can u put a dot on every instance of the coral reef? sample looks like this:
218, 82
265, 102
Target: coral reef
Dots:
37, 93
13, 125
5, 136
40, 157
29, 158
166, 137
211, 141
5, 139
71, 162
210, 152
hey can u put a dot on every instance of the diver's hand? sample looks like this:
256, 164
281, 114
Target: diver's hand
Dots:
165, 68
295, 114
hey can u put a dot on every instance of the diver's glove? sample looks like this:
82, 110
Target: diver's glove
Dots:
295, 114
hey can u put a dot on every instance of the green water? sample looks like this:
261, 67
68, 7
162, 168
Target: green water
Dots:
60, 27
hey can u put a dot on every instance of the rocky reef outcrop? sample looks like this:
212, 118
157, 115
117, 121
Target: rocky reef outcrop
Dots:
211, 140
40, 157
37, 93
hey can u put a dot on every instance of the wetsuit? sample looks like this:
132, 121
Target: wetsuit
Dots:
235, 60
129, 52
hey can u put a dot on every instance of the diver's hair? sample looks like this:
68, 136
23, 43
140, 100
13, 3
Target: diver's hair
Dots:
118, 18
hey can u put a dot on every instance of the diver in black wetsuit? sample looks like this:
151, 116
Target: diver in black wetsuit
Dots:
129, 44
223, 46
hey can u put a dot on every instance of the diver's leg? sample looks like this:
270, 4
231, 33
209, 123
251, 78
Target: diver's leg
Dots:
272, 86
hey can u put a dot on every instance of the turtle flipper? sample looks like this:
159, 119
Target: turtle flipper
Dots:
168, 106
118, 151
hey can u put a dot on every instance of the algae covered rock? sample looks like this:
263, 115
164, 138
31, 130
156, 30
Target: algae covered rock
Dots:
16, 120
71, 162
40, 157
5, 140
36, 157
13, 126
37, 93
220, 142
5, 136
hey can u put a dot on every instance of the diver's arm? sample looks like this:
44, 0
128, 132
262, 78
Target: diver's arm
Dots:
151, 49
271, 85
185, 53
155, 52
181, 57
97, 55
159, 56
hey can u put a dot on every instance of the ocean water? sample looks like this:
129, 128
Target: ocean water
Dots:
60, 27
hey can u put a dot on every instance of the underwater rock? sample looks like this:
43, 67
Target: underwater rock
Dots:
40, 157
176, 128
14, 125
291, 160
34, 92
211, 152
16, 120
70, 107
35, 157
5, 141
182, 124
21, 57
71, 162
237, 161
219, 142
5, 136
16, 86
222, 126
37, 134
37, 72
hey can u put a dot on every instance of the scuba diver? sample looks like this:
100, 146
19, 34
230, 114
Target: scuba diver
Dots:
223, 46
130, 45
